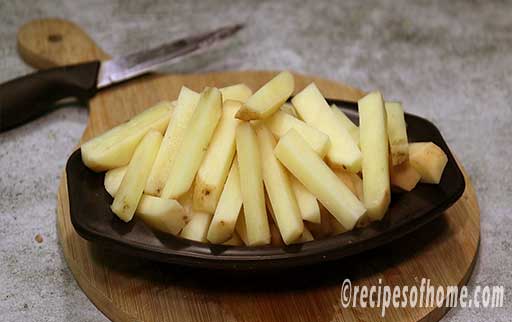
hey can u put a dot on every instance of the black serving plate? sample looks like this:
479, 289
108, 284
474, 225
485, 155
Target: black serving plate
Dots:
93, 220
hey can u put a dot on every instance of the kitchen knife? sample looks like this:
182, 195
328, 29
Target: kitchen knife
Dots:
30, 96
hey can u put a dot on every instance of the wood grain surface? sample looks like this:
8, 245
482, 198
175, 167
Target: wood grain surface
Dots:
130, 289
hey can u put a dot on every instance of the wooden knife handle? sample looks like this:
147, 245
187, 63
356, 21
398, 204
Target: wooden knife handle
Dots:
28, 97
47, 43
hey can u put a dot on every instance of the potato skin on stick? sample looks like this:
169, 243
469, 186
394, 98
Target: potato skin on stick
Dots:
251, 186
194, 145
397, 133
130, 191
319, 179
374, 146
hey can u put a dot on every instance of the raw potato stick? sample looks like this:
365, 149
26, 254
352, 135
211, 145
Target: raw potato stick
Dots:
374, 146
346, 122
165, 215
280, 123
113, 179
397, 133
314, 110
130, 191
215, 167
115, 147
186, 105
319, 179
429, 160
194, 145
251, 186
282, 198
234, 241
238, 92
197, 227
268, 98
308, 205
228, 208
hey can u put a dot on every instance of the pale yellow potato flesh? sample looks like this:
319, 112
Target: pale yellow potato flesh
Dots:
166, 215
397, 133
280, 123
404, 176
185, 107
251, 185
277, 183
268, 99
238, 92
194, 145
308, 205
296, 155
289, 109
197, 228
113, 179
347, 123
132, 186
214, 169
374, 146
115, 147
228, 208
429, 160
314, 110
346, 178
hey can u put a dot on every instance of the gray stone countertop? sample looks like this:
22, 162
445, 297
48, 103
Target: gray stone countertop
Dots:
448, 61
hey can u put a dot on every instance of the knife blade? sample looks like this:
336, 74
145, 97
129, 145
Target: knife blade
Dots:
30, 96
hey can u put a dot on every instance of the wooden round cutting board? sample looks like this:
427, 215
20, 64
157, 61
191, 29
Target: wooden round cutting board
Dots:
131, 289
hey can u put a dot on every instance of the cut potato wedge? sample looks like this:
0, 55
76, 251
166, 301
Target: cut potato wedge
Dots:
228, 208
404, 176
197, 228
215, 167
319, 179
289, 109
374, 146
429, 160
130, 191
115, 147
280, 123
314, 110
346, 122
113, 180
194, 145
308, 205
397, 133
282, 198
251, 186
187, 101
268, 99
165, 215
238, 92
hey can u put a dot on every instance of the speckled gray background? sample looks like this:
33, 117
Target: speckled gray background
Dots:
449, 61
